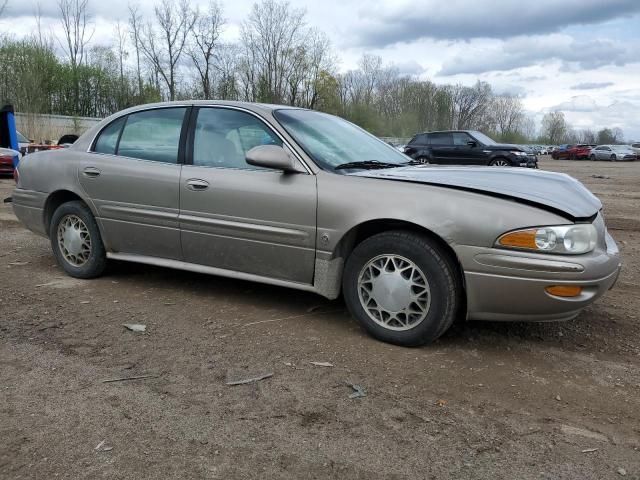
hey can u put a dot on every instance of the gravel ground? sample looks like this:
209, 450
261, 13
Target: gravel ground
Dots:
488, 400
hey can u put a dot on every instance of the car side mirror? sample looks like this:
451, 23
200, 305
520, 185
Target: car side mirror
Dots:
273, 157
472, 144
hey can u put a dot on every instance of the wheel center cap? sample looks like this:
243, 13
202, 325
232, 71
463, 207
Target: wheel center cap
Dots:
72, 240
391, 291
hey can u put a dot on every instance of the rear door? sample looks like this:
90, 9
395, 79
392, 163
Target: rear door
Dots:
239, 217
132, 176
442, 147
603, 153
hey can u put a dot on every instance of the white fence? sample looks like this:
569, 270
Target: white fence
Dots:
49, 128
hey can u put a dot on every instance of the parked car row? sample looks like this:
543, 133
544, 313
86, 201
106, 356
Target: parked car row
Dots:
597, 152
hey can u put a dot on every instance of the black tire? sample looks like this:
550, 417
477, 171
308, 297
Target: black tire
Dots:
500, 159
424, 160
593, 158
446, 292
612, 158
96, 262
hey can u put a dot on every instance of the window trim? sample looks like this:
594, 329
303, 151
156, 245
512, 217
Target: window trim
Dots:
190, 138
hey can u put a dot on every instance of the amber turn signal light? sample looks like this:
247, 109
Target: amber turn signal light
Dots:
519, 239
564, 290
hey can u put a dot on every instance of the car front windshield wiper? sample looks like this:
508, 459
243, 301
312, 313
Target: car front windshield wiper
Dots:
366, 165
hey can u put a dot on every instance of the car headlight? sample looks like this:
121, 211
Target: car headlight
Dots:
564, 239
518, 153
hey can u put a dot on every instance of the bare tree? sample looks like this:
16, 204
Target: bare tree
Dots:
135, 25
227, 66
507, 114
121, 46
3, 6
76, 24
163, 42
469, 104
554, 127
78, 32
271, 37
202, 50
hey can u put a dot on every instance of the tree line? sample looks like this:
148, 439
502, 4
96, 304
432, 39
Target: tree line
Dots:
178, 53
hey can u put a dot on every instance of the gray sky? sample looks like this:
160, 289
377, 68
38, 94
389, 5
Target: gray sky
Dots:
580, 56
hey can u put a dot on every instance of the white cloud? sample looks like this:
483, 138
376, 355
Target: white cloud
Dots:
521, 52
406, 21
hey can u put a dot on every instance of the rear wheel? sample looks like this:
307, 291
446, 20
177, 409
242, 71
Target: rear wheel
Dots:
76, 242
424, 160
402, 288
500, 162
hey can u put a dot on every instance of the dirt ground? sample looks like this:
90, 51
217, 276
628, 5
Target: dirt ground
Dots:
488, 400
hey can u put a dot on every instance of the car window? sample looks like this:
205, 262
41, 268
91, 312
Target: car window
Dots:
635, 145
421, 139
440, 138
460, 138
108, 138
223, 136
152, 135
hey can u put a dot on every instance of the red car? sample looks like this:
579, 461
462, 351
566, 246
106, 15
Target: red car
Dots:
6, 160
579, 152
573, 152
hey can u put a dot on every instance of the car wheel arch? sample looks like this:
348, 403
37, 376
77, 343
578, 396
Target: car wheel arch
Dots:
357, 234
57, 198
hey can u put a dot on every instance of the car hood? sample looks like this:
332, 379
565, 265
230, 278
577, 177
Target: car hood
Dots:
557, 192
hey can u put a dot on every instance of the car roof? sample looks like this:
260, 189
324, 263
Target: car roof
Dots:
256, 107
445, 131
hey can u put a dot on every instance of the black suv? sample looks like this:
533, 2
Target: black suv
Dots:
467, 147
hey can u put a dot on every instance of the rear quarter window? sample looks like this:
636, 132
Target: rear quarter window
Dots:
108, 138
420, 139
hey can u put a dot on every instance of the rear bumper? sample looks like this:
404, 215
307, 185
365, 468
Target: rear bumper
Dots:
28, 206
506, 287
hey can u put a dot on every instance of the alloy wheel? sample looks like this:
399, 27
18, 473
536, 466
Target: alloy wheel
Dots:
500, 163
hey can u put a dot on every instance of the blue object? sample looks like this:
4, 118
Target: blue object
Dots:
8, 133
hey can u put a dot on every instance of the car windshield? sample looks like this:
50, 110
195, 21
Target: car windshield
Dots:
331, 141
482, 138
22, 138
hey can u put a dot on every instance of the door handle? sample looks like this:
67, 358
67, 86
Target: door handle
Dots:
197, 184
91, 172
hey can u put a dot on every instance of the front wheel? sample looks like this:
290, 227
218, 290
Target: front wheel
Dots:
424, 160
402, 288
612, 158
499, 162
593, 157
76, 242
